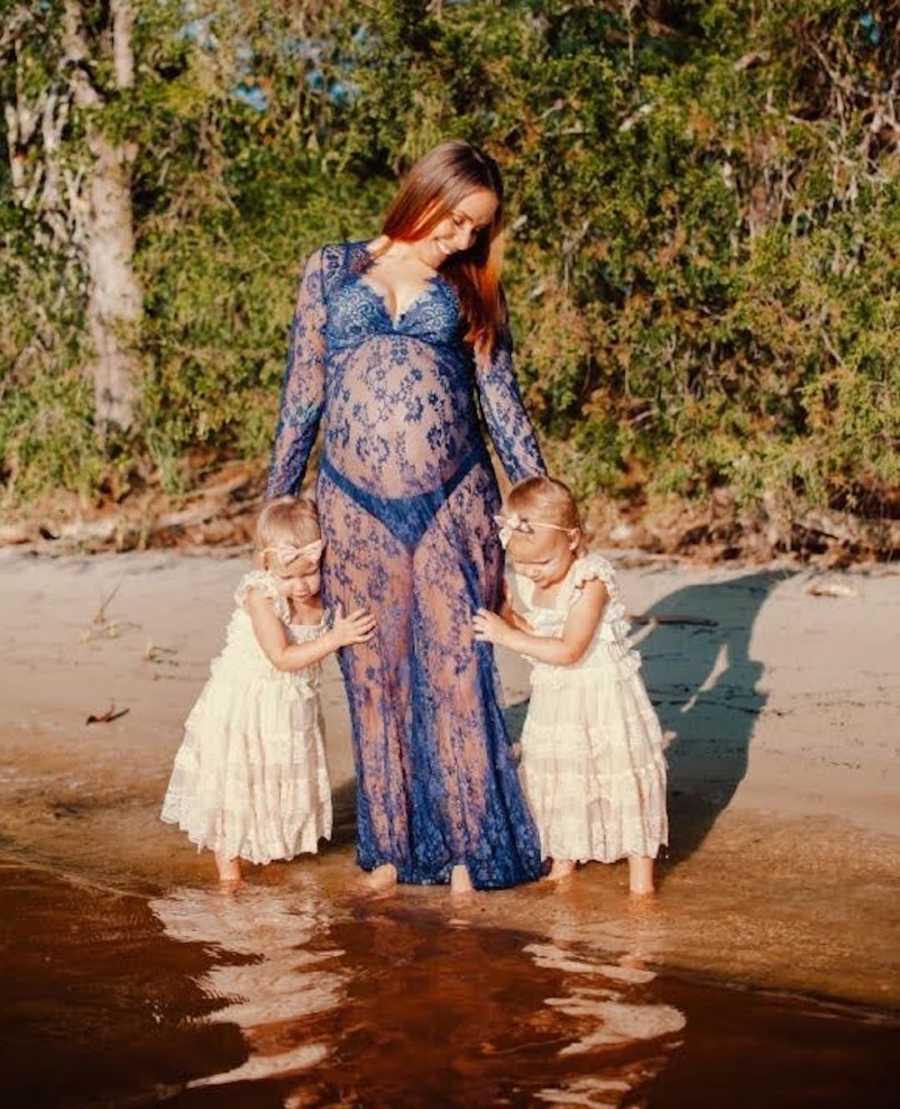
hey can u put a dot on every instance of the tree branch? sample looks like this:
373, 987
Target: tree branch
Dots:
123, 47
76, 55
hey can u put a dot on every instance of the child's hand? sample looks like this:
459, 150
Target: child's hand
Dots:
489, 627
358, 627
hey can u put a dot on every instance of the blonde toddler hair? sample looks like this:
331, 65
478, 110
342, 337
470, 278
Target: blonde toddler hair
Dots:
287, 520
545, 500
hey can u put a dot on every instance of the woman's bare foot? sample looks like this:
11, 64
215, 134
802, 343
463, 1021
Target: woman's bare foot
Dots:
640, 876
460, 882
562, 868
381, 880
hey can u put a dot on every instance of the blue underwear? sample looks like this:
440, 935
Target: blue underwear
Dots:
406, 518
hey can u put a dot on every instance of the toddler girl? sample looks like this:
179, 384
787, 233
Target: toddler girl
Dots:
592, 751
250, 779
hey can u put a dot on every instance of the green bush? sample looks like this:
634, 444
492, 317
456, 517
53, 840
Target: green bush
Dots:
703, 231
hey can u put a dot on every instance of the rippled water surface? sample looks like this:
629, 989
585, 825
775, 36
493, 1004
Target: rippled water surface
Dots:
287, 996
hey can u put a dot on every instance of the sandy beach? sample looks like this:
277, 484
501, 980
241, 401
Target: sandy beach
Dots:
779, 683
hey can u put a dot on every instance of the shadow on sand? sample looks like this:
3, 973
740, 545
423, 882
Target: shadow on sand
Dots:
706, 687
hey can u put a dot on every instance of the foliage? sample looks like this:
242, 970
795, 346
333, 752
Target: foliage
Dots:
703, 214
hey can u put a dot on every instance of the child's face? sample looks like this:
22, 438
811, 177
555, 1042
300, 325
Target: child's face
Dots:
300, 580
544, 556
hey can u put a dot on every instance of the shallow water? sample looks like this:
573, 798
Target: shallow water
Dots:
286, 996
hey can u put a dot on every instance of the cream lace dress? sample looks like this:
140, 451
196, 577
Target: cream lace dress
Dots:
592, 766
250, 778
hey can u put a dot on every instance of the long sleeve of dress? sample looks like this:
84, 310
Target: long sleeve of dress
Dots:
504, 413
303, 393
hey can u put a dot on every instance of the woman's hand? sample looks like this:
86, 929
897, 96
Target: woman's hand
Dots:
489, 627
358, 627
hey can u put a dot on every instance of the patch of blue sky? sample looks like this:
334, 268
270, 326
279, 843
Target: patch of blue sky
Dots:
199, 30
871, 26
251, 95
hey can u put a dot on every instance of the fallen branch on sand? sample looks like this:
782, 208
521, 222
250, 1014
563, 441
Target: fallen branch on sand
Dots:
100, 615
106, 717
217, 513
693, 621
154, 653
876, 535
831, 589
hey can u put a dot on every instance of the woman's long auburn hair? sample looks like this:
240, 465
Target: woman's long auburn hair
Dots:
429, 193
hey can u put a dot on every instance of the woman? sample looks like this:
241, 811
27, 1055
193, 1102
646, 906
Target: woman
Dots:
390, 341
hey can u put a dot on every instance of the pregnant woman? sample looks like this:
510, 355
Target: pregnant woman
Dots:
391, 342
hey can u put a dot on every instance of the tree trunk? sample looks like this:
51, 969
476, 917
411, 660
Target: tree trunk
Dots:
115, 297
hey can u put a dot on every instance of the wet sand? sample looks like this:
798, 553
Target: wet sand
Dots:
783, 874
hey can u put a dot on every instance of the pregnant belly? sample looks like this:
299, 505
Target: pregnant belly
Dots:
400, 417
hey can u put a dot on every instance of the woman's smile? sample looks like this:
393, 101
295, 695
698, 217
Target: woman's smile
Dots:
459, 229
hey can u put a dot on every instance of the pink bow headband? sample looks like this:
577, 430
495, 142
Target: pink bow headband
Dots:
289, 552
515, 522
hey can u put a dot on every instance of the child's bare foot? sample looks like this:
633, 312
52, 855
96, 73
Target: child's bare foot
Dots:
229, 870
460, 882
381, 880
562, 868
640, 876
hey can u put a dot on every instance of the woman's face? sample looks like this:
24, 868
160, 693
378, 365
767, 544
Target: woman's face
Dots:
458, 230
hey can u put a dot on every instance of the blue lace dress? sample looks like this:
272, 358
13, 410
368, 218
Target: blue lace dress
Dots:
406, 495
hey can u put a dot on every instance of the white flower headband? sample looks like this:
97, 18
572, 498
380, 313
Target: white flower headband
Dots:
289, 552
515, 522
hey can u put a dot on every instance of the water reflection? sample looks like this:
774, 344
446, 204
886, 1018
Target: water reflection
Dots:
616, 1016
289, 977
367, 1003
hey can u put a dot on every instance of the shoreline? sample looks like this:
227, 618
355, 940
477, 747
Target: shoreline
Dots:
861, 1006
785, 845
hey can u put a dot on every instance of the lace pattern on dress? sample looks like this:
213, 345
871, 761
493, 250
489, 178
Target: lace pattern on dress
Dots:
614, 625
268, 586
611, 636
406, 495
